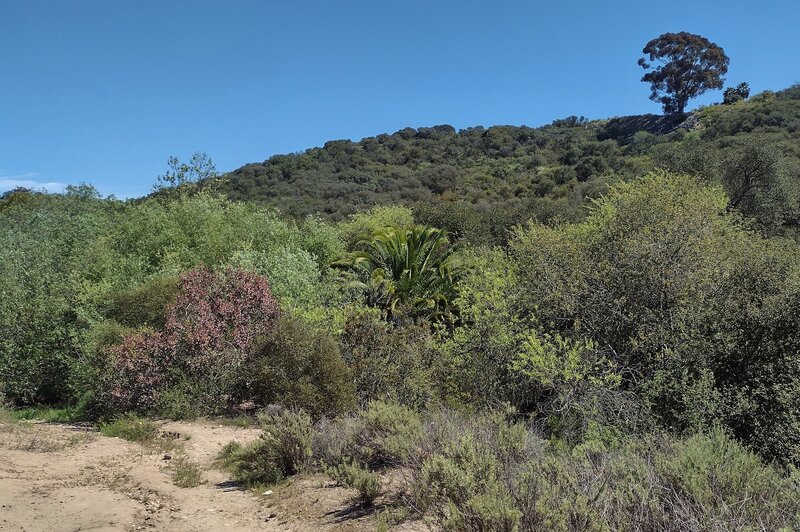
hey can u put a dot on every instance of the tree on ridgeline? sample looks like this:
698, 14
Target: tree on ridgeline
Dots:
735, 94
198, 174
689, 66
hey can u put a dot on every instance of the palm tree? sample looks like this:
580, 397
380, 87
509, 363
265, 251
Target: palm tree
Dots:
408, 268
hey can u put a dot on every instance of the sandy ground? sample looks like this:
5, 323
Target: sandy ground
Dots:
70, 478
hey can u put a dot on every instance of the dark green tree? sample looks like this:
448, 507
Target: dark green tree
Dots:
735, 94
755, 179
689, 66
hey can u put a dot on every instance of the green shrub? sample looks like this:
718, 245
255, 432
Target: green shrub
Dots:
45, 247
180, 401
352, 475
289, 433
253, 464
336, 440
486, 473
685, 304
300, 365
712, 482
229, 455
362, 225
462, 489
283, 449
380, 435
389, 362
389, 433
145, 304
294, 276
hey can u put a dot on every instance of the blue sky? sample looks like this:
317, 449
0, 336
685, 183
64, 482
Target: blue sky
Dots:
104, 91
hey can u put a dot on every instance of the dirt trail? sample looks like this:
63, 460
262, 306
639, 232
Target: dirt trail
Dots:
68, 477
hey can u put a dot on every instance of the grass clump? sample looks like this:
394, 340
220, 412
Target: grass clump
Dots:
241, 421
47, 414
6, 417
229, 454
132, 428
186, 473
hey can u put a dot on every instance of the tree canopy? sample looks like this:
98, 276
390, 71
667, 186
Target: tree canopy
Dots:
689, 66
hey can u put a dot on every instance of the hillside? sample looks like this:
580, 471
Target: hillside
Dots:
647, 345
515, 172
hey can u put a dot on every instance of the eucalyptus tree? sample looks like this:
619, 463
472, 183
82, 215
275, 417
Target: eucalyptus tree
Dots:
689, 66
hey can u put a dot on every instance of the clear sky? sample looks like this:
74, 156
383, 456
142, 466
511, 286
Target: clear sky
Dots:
104, 91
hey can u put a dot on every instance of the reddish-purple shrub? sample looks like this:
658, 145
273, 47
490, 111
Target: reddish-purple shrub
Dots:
208, 334
219, 313
137, 370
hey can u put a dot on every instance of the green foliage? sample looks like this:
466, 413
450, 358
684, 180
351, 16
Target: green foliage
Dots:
491, 175
477, 224
731, 95
464, 488
293, 274
390, 431
299, 365
229, 455
361, 226
478, 183
757, 186
380, 435
130, 427
283, 449
485, 473
78, 270
187, 178
144, 305
458, 476
389, 362
690, 65
712, 472
666, 285
44, 245
48, 414
405, 270
252, 465
765, 112
572, 382
289, 433
622, 311
185, 472
352, 475
473, 364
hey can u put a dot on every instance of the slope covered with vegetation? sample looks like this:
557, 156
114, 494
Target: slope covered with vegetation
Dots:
606, 334
504, 175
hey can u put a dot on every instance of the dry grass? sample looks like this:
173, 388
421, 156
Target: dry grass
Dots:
36, 438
